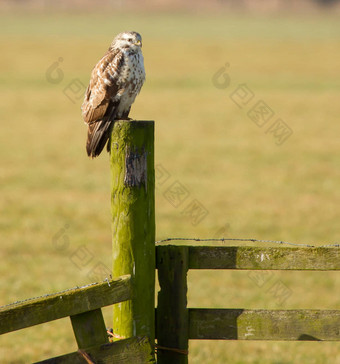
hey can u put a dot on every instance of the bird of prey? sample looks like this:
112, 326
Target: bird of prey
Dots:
115, 82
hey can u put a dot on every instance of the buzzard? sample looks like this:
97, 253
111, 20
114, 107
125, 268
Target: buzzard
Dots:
115, 82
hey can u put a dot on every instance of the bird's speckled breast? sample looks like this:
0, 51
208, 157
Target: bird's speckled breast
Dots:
133, 74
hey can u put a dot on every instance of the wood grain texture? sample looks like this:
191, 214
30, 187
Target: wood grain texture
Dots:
71, 302
280, 258
133, 224
136, 350
239, 324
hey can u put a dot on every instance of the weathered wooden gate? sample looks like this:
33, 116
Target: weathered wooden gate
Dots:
135, 258
177, 324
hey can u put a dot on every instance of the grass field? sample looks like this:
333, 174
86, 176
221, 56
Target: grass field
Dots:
249, 185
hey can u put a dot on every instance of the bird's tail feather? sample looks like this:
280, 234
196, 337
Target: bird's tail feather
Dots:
97, 135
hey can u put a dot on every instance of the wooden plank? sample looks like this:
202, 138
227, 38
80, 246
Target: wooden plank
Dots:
238, 324
133, 224
280, 258
132, 350
67, 303
89, 328
172, 312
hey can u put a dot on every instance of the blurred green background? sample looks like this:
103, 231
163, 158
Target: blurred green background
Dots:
55, 202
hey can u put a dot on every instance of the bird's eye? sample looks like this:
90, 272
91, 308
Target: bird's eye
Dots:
130, 40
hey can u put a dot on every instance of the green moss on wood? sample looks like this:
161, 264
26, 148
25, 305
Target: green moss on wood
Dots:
133, 214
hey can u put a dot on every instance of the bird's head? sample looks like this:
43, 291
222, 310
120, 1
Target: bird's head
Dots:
127, 40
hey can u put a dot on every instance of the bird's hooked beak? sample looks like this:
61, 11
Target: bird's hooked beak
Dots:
138, 43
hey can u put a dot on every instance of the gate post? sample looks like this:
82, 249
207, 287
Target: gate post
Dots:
172, 311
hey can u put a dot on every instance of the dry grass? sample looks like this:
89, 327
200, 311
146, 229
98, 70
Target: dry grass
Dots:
250, 186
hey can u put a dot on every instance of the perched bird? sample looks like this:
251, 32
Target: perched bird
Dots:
115, 82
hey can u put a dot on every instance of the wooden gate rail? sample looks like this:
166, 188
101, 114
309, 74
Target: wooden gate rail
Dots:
252, 258
83, 305
176, 323
239, 324
68, 303
136, 350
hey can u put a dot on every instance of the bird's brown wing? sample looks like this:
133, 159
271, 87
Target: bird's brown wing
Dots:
103, 86
98, 108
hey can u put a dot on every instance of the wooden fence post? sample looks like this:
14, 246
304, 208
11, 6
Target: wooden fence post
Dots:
172, 311
133, 214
